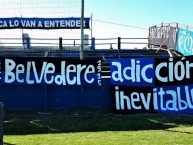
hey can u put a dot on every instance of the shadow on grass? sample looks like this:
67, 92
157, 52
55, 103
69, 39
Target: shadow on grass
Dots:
5, 143
176, 131
59, 123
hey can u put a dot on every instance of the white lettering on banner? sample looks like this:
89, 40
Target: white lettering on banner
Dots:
131, 101
35, 23
170, 99
178, 70
50, 69
185, 43
99, 72
168, 71
19, 69
90, 69
70, 74
14, 23
3, 24
11, 24
9, 75
27, 23
28, 74
63, 23
40, 24
136, 72
162, 32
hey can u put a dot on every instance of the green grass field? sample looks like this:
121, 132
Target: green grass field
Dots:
76, 128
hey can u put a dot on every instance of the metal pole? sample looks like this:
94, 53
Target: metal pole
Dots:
82, 48
1, 123
60, 43
119, 43
82, 31
91, 25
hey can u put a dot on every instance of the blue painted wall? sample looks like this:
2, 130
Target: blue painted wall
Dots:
55, 97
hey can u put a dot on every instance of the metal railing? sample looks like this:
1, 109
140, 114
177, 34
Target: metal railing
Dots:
60, 43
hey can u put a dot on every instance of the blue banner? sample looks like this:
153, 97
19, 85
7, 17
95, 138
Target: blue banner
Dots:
175, 99
132, 71
185, 42
43, 23
163, 85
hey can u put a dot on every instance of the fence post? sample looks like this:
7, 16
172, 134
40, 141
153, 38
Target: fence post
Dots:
119, 43
74, 43
1, 123
24, 37
111, 46
60, 43
28, 43
93, 43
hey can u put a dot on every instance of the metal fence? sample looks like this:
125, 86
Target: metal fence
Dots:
61, 43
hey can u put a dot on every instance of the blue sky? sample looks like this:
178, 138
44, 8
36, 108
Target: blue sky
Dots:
140, 13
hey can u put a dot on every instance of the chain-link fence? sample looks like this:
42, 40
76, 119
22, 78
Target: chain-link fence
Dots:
39, 9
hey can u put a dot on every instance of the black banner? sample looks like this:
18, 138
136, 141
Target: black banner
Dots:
129, 100
173, 71
152, 85
170, 99
54, 71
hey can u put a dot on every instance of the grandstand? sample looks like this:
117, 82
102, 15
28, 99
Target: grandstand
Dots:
36, 53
